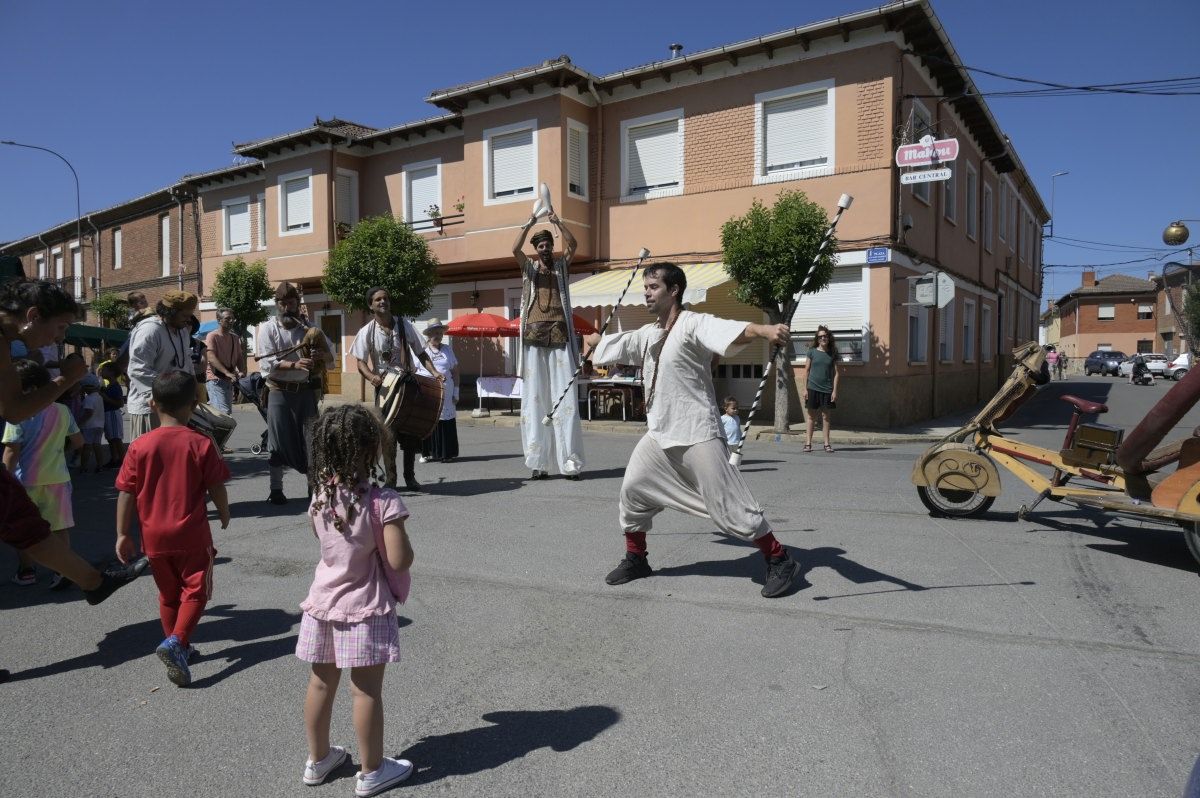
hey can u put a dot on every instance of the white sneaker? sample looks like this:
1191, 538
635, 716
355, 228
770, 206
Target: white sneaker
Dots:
423, 459
316, 772
390, 773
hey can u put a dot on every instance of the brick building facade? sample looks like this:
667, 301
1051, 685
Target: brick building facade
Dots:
1118, 313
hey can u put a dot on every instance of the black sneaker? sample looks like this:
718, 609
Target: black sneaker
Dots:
412, 485
277, 497
575, 477
538, 474
780, 573
634, 566
114, 578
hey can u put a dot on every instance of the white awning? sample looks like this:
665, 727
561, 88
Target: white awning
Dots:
602, 290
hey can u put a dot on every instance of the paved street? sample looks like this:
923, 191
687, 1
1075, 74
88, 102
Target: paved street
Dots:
919, 657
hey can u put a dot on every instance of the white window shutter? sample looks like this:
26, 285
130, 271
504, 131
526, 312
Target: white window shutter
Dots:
299, 204
424, 189
117, 248
839, 306
439, 308
653, 156
238, 221
166, 246
577, 161
262, 221
347, 202
512, 164
796, 132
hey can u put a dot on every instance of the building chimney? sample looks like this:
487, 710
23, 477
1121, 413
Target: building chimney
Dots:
1089, 279
676, 50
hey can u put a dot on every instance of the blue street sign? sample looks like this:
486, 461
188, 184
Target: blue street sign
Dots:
877, 255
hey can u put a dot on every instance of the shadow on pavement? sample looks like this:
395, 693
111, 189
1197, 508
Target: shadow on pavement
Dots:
752, 567
1153, 545
220, 622
511, 736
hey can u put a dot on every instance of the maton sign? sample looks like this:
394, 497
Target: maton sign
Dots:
927, 152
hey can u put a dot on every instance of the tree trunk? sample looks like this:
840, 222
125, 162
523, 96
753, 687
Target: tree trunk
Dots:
784, 380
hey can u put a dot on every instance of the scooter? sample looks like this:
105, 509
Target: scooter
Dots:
1141, 374
1097, 468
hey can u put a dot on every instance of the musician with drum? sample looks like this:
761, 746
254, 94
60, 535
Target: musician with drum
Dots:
389, 343
292, 366
158, 344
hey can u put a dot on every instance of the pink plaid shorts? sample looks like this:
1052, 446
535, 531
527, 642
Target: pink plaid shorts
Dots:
375, 641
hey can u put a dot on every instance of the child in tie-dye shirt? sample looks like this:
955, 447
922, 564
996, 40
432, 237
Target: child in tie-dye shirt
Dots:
35, 453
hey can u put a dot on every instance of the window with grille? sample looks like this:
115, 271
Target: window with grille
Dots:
422, 191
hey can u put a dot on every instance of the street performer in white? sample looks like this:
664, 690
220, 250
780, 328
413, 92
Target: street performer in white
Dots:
548, 354
293, 381
682, 462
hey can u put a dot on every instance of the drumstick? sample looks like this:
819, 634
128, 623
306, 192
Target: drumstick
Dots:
549, 419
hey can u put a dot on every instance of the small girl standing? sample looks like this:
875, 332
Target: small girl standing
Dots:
349, 616
821, 385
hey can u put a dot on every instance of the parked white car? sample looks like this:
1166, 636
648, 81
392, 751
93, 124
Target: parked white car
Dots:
1178, 367
1155, 362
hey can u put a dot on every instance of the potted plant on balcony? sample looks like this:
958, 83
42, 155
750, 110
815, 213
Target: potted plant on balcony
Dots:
434, 212
460, 204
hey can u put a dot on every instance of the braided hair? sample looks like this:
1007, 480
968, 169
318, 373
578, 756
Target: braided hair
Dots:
344, 443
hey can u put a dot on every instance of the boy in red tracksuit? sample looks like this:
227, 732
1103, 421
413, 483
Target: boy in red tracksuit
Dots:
167, 472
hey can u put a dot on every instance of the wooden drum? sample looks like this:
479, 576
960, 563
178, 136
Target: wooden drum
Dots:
411, 403
208, 420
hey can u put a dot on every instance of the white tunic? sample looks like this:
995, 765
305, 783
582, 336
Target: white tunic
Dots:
388, 345
683, 408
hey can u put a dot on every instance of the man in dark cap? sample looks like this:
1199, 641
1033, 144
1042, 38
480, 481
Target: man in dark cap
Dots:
548, 354
293, 377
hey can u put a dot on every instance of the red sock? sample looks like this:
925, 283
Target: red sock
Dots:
770, 546
167, 615
189, 616
635, 543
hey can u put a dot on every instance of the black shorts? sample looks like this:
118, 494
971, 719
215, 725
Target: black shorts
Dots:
820, 400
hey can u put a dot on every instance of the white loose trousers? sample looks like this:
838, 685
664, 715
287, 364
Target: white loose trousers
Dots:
697, 480
545, 371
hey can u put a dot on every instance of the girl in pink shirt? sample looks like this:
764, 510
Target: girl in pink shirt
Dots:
349, 616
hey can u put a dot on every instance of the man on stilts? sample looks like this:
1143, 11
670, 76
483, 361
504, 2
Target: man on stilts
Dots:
682, 462
294, 381
548, 354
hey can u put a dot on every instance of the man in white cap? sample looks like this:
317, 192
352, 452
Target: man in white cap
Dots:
548, 354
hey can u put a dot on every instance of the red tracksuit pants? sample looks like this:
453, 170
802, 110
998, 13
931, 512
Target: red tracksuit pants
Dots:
184, 588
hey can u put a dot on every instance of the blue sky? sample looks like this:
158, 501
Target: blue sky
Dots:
135, 94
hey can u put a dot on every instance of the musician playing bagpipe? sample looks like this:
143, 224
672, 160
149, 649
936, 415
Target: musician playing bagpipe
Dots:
293, 358
391, 342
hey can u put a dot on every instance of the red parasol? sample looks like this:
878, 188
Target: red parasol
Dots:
480, 325
582, 327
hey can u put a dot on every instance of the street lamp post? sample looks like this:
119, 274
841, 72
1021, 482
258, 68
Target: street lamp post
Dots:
1053, 178
74, 174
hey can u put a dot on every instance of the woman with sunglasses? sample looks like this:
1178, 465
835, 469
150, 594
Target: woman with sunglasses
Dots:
820, 385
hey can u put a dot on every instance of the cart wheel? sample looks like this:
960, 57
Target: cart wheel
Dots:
1023, 513
954, 503
256, 448
1191, 536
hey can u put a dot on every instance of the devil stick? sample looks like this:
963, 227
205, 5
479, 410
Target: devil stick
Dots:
789, 310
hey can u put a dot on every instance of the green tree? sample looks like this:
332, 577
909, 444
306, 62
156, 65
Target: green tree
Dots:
772, 254
381, 251
242, 287
1191, 315
111, 309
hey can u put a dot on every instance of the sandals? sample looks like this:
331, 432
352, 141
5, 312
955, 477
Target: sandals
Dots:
828, 448
808, 447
